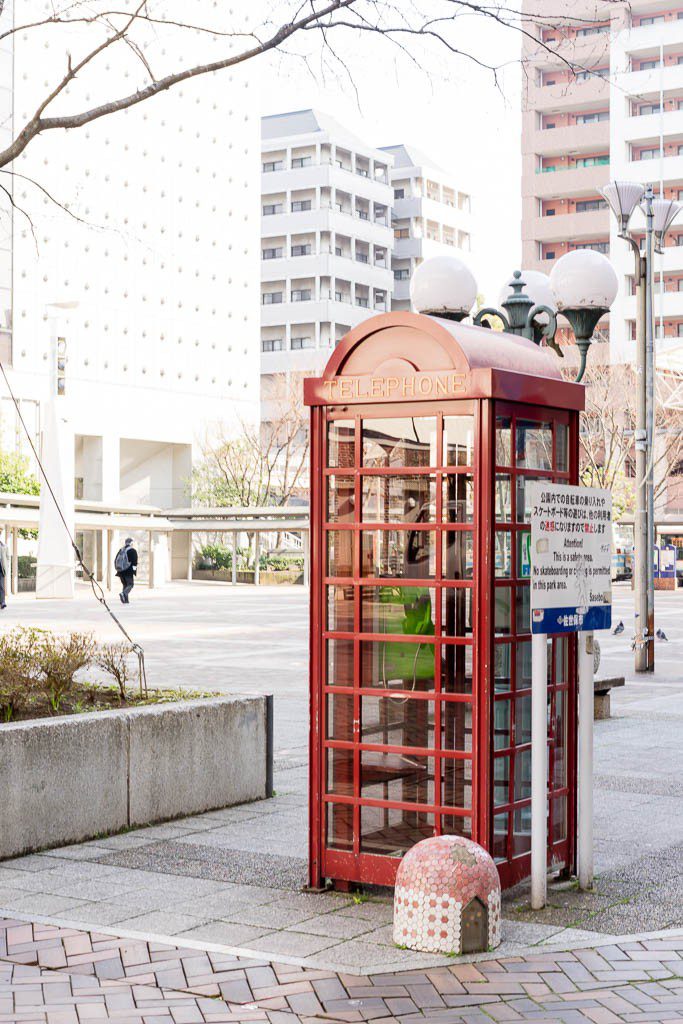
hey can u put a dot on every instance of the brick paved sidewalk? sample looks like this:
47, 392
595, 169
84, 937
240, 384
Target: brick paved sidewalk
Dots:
57, 975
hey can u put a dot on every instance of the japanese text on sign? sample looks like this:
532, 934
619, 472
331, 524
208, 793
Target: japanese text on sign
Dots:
571, 535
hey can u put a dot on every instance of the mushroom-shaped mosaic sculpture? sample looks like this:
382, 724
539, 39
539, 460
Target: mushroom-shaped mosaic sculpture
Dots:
447, 897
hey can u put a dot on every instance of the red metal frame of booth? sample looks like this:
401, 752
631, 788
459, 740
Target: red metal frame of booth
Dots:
487, 393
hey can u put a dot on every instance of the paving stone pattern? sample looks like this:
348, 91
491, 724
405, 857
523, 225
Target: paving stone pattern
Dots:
57, 975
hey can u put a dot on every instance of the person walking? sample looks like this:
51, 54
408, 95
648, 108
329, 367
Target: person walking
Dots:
5, 570
126, 565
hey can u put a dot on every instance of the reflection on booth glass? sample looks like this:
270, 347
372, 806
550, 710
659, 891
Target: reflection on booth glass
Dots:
398, 443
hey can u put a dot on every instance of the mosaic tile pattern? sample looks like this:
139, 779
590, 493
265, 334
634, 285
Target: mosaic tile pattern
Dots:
436, 883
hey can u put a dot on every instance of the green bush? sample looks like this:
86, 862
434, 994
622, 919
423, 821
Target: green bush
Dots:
19, 677
217, 556
59, 658
27, 567
114, 659
281, 563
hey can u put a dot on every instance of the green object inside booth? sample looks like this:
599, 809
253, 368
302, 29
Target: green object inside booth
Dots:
407, 610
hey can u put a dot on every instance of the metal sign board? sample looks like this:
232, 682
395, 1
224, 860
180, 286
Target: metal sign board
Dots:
571, 542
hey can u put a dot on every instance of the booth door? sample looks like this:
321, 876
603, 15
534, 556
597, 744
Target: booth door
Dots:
397, 686
530, 444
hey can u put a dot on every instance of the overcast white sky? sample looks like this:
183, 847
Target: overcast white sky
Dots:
453, 111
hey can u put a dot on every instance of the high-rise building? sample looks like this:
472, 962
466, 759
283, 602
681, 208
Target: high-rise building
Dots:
143, 263
431, 216
325, 238
603, 99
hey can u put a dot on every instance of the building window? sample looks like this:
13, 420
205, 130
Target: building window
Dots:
363, 172
401, 232
271, 254
401, 275
363, 214
550, 213
599, 115
679, 330
360, 301
399, 193
592, 161
550, 256
301, 295
648, 65
301, 250
362, 257
653, 19
649, 108
271, 165
589, 205
299, 205
299, 343
338, 250
271, 298
301, 161
338, 297
594, 30
272, 344
270, 209
597, 246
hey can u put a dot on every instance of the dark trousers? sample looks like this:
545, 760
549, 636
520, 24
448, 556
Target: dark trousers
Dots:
2, 589
127, 584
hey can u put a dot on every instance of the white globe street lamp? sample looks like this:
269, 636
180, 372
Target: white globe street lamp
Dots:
583, 291
443, 286
584, 285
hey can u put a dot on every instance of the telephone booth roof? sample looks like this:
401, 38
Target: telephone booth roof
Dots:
399, 356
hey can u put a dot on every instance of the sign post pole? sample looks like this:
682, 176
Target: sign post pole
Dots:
585, 760
539, 769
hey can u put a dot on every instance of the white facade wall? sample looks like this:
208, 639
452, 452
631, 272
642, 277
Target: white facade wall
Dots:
629, 130
152, 274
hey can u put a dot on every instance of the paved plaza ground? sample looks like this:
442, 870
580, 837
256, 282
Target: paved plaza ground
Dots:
230, 880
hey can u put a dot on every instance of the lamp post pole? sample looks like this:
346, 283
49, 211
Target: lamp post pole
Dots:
650, 425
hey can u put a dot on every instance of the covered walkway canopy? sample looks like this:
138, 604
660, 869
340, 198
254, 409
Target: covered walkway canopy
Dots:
170, 530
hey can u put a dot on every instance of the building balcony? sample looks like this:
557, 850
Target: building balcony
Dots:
575, 226
647, 127
430, 209
580, 138
670, 168
327, 265
648, 37
322, 310
647, 83
325, 175
568, 96
575, 181
327, 219
666, 304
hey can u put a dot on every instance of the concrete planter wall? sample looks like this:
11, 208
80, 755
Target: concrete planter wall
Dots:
70, 778
266, 577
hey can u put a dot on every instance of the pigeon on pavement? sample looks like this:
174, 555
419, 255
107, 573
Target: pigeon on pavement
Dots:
661, 635
619, 628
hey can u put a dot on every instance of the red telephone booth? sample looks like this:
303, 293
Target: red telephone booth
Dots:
424, 435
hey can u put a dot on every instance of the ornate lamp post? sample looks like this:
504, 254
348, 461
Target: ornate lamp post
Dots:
623, 197
582, 287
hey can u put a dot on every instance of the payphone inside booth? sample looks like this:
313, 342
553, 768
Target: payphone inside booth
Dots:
424, 435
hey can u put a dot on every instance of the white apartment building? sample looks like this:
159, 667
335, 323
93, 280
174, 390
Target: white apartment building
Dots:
149, 278
431, 216
325, 238
646, 145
